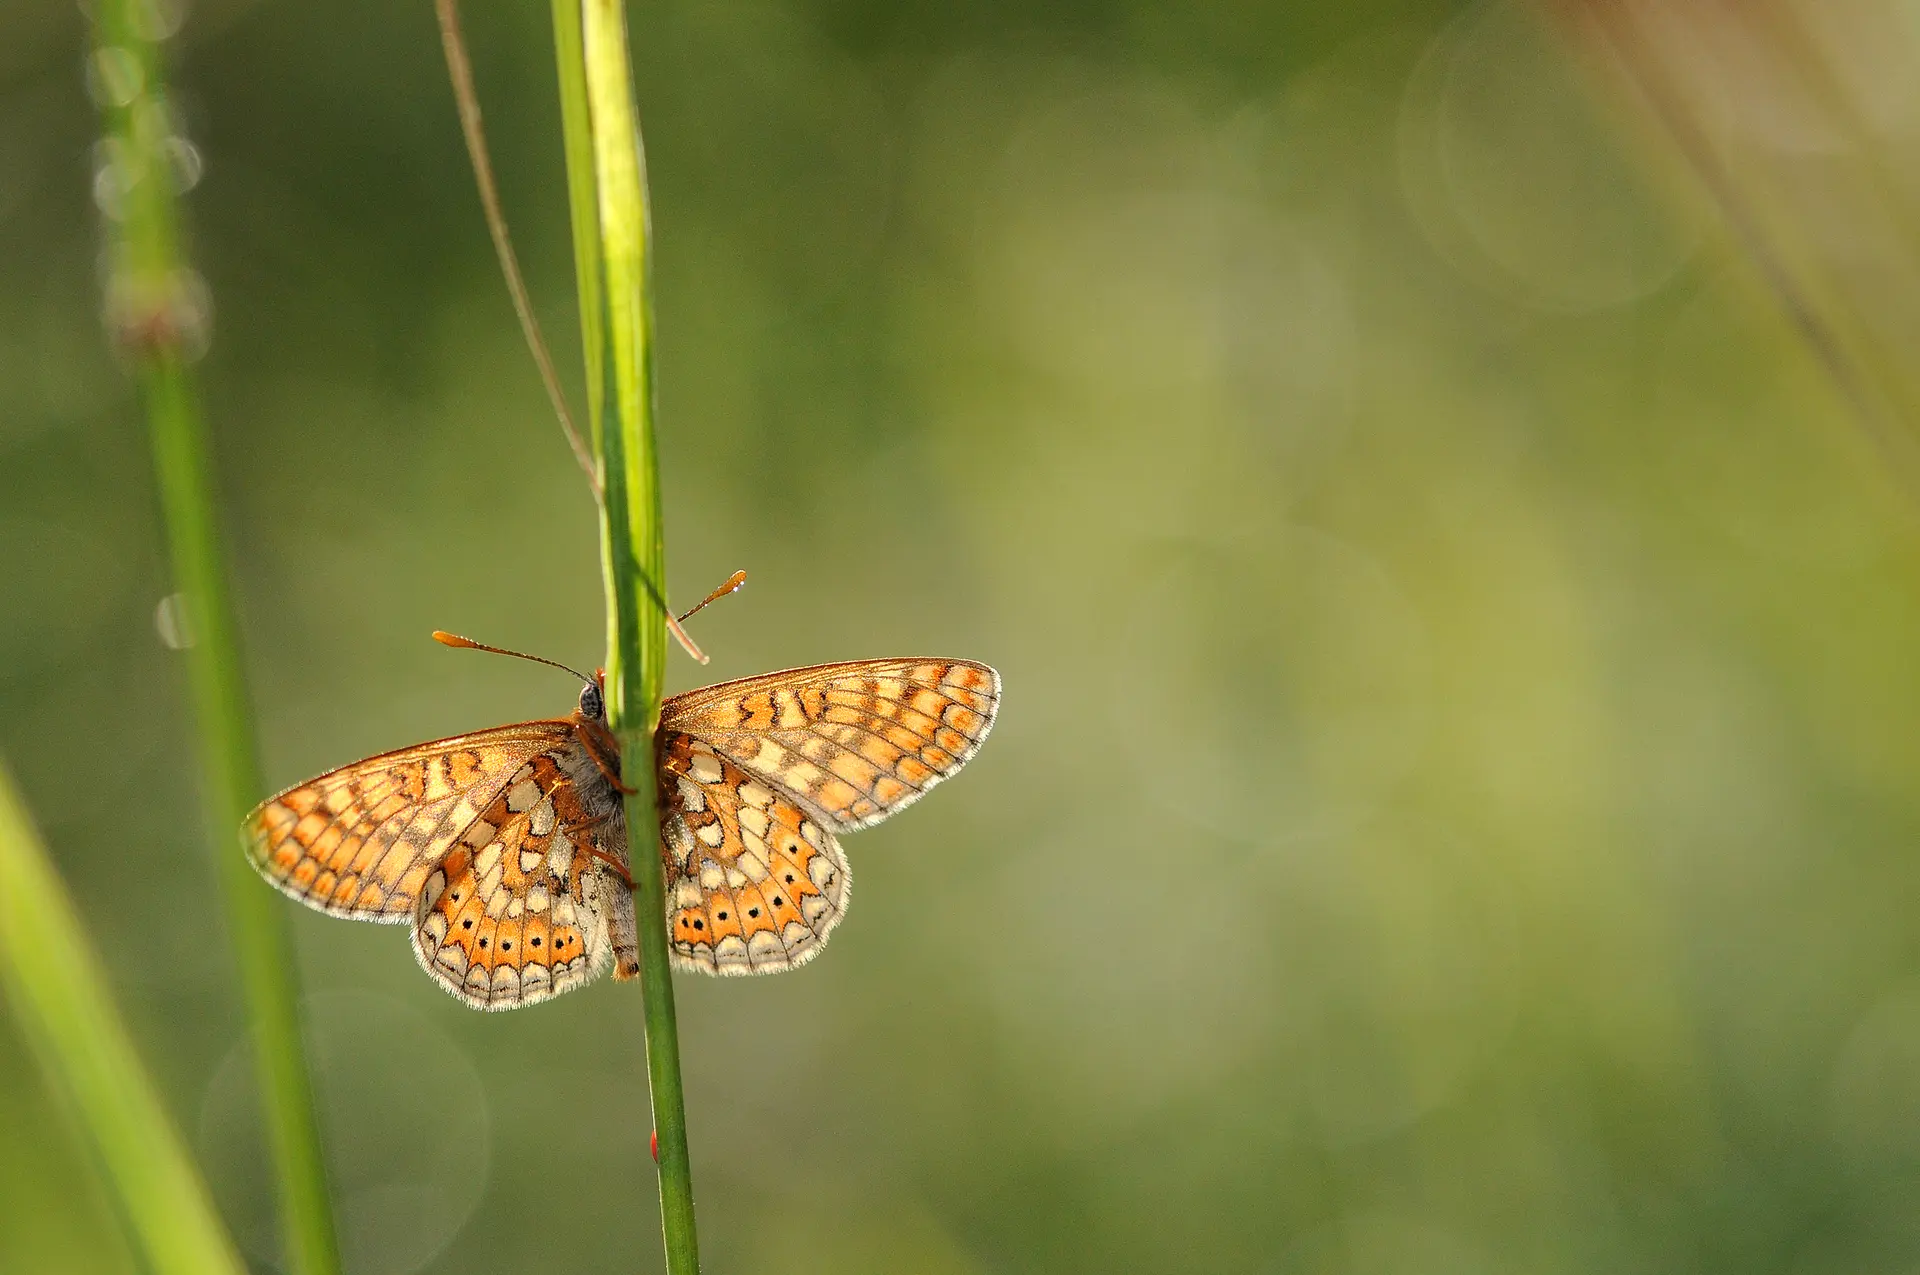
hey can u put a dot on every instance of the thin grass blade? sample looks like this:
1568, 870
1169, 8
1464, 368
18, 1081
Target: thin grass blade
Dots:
58, 990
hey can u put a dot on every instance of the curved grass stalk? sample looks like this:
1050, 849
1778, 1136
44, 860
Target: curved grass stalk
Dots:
157, 312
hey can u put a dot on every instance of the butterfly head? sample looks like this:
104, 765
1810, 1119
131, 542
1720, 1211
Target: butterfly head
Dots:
593, 699
590, 724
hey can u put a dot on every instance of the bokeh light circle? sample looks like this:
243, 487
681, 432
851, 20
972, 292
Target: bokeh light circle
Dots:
404, 1117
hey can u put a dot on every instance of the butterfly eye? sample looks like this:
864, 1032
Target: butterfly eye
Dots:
591, 706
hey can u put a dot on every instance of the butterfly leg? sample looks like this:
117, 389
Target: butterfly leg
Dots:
619, 868
594, 830
603, 746
612, 775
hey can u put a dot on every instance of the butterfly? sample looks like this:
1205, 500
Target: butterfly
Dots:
506, 850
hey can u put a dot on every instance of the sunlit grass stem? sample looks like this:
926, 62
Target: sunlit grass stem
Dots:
157, 314
59, 993
607, 184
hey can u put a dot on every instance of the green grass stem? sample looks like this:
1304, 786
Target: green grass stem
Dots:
156, 311
582, 201
607, 182
59, 993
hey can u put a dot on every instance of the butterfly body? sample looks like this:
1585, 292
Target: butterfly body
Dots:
507, 850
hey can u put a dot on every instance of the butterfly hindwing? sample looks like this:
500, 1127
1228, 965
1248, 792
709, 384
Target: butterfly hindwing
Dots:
517, 911
360, 841
853, 743
754, 883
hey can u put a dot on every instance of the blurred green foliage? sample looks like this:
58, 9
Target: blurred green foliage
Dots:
1455, 802
57, 994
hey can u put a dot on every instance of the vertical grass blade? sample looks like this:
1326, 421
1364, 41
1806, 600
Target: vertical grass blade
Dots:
607, 180
157, 312
582, 202
59, 994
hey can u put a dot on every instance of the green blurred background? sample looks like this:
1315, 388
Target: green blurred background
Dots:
1454, 807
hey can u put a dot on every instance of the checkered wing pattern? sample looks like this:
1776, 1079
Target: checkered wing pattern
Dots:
852, 743
360, 841
495, 847
754, 884
757, 777
507, 850
523, 906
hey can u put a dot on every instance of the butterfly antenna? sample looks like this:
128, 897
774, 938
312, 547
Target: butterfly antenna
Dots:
734, 581
455, 640
732, 585
687, 644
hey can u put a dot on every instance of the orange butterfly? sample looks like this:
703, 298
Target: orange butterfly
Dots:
506, 850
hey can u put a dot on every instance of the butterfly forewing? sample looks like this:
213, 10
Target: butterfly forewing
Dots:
851, 742
359, 841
